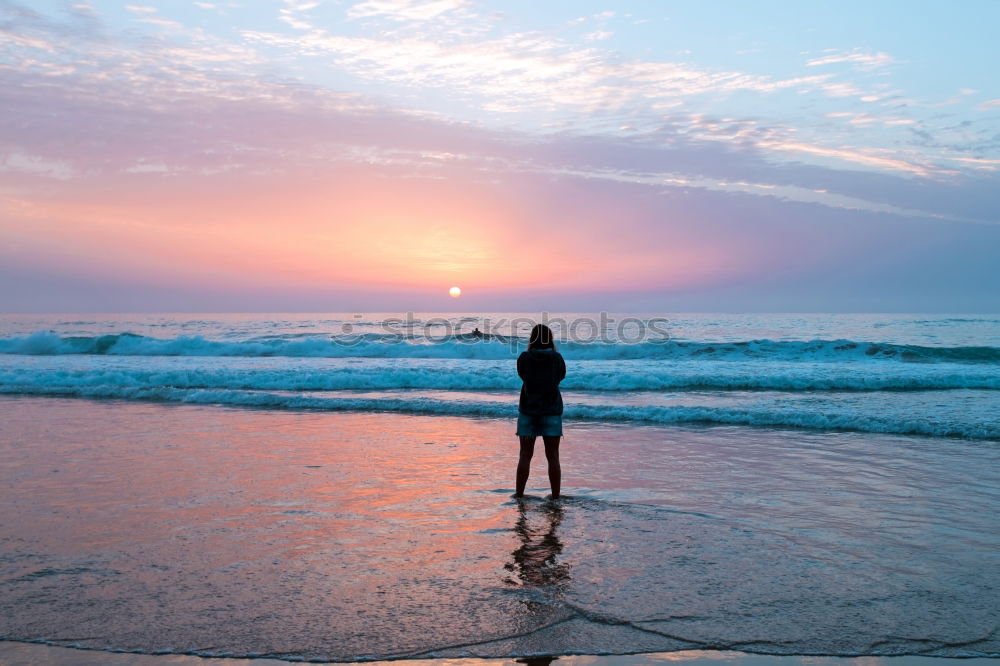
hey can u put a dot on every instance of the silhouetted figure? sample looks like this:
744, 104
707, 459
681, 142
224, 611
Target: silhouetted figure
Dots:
476, 333
540, 408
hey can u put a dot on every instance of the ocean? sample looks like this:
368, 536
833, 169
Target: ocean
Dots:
338, 486
905, 374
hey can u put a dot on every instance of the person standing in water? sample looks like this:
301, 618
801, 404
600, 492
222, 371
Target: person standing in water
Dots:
540, 408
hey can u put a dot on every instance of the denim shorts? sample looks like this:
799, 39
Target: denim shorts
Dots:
532, 425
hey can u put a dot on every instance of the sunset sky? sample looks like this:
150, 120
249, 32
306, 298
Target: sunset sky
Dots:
302, 155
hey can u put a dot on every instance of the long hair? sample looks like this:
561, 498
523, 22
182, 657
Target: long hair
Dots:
541, 338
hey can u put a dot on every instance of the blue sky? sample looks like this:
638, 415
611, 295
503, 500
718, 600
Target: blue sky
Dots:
761, 134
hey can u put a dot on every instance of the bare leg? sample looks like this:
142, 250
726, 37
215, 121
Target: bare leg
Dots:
555, 471
524, 464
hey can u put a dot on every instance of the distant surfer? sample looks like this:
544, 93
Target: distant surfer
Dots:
540, 408
476, 333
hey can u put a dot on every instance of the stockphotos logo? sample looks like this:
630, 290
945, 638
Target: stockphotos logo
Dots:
602, 329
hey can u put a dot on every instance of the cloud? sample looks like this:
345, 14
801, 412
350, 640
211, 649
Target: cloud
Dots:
198, 105
405, 10
20, 162
181, 126
861, 59
142, 143
525, 71
261, 180
979, 163
28, 41
848, 155
498, 77
162, 22
538, 75
989, 104
841, 89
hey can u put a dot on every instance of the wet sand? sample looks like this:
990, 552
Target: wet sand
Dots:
364, 536
24, 654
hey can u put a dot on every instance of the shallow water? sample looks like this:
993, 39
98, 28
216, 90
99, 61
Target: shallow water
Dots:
219, 531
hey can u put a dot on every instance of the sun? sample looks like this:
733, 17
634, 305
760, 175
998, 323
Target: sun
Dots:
455, 292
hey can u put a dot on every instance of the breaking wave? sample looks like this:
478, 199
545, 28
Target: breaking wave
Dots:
774, 416
492, 376
464, 346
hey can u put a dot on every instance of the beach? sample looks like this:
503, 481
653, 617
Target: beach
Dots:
148, 515
357, 536
285, 288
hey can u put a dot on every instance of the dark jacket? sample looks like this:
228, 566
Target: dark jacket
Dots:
541, 370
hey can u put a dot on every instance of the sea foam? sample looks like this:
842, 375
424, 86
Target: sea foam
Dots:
371, 345
775, 413
451, 375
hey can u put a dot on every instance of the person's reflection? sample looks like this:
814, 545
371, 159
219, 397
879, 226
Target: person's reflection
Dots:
536, 661
535, 560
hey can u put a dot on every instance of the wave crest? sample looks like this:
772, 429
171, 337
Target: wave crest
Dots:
464, 346
499, 377
769, 416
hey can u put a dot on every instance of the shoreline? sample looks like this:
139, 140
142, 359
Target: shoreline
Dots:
32, 653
